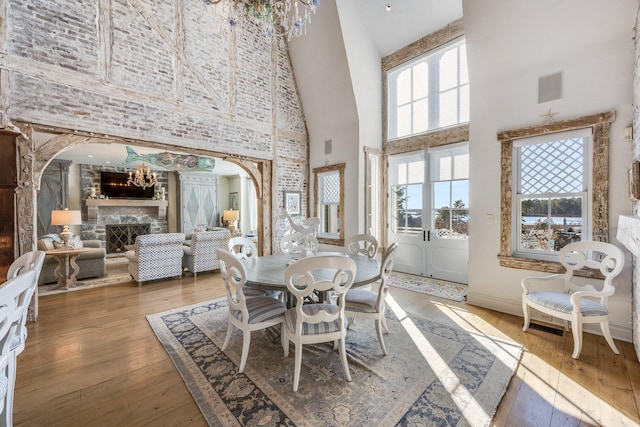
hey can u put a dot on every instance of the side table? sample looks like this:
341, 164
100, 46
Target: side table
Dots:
66, 258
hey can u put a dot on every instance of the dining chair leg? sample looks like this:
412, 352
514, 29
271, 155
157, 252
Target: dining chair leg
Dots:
606, 332
343, 357
228, 337
384, 324
298, 365
526, 314
246, 343
379, 327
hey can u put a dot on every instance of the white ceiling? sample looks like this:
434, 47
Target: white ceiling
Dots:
406, 22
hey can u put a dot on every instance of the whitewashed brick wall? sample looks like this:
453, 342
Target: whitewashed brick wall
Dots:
165, 71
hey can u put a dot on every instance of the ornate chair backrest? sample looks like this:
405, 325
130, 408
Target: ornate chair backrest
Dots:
15, 296
298, 242
386, 267
30, 261
361, 244
320, 273
608, 259
242, 247
234, 276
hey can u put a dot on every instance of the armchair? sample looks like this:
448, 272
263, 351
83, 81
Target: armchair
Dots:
156, 256
202, 254
577, 303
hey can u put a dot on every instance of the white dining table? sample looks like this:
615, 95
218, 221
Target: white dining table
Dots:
267, 272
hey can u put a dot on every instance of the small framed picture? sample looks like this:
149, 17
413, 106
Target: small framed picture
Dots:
292, 202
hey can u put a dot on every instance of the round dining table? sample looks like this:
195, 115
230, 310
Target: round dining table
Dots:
267, 272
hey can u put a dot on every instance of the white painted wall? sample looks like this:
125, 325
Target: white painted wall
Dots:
365, 69
511, 44
322, 73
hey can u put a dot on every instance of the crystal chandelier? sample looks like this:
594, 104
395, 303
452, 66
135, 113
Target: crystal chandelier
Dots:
276, 17
142, 177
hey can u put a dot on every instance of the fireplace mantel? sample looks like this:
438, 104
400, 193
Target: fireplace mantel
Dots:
94, 205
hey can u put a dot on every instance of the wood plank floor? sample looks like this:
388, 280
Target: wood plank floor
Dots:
91, 359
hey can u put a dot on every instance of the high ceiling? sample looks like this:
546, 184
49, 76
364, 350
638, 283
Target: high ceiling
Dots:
407, 21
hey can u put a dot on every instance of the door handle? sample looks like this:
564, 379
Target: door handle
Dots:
428, 235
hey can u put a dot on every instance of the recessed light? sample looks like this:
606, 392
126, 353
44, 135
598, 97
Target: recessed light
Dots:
107, 161
89, 155
388, 8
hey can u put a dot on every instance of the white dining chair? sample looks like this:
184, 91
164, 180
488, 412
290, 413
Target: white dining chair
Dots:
15, 296
29, 261
577, 303
242, 247
365, 304
246, 314
361, 244
317, 323
298, 242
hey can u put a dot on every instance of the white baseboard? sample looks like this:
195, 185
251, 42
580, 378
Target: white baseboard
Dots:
502, 305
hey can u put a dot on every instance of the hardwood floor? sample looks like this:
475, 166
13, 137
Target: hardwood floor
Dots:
92, 359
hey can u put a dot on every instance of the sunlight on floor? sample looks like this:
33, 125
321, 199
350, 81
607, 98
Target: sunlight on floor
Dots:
469, 407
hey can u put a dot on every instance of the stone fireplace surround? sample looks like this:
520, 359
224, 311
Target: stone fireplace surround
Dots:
98, 213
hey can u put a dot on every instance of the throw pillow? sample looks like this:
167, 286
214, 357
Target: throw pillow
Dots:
76, 242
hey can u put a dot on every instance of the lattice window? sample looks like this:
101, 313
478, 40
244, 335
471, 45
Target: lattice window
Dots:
552, 192
552, 167
331, 189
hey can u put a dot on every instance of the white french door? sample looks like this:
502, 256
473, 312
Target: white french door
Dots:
429, 212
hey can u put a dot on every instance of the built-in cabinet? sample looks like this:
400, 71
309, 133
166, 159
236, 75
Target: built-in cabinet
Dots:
8, 183
199, 201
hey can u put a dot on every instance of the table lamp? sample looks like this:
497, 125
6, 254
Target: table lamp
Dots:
230, 220
66, 218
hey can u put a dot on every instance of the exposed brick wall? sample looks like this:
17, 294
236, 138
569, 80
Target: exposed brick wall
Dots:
162, 71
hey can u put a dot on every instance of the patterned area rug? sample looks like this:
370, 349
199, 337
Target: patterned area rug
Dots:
435, 374
426, 285
116, 273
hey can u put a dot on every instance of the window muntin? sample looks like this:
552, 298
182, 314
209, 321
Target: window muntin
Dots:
429, 92
449, 177
552, 192
406, 197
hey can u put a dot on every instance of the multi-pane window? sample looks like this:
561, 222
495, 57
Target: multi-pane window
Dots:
406, 197
449, 170
552, 200
429, 92
329, 196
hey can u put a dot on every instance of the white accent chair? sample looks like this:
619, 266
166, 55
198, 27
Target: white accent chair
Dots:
577, 303
15, 296
202, 253
246, 314
33, 260
156, 256
317, 323
366, 304
298, 242
242, 248
361, 244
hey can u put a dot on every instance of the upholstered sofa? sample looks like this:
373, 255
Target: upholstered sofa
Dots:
92, 263
156, 256
201, 253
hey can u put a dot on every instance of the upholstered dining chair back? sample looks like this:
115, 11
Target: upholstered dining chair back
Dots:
156, 256
15, 296
361, 244
315, 323
242, 247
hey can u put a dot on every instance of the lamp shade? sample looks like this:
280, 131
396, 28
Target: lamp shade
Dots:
230, 215
66, 217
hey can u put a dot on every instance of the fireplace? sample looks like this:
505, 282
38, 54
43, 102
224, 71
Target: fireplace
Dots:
118, 236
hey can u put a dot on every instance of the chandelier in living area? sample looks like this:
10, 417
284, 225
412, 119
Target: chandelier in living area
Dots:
142, 177
276, 17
